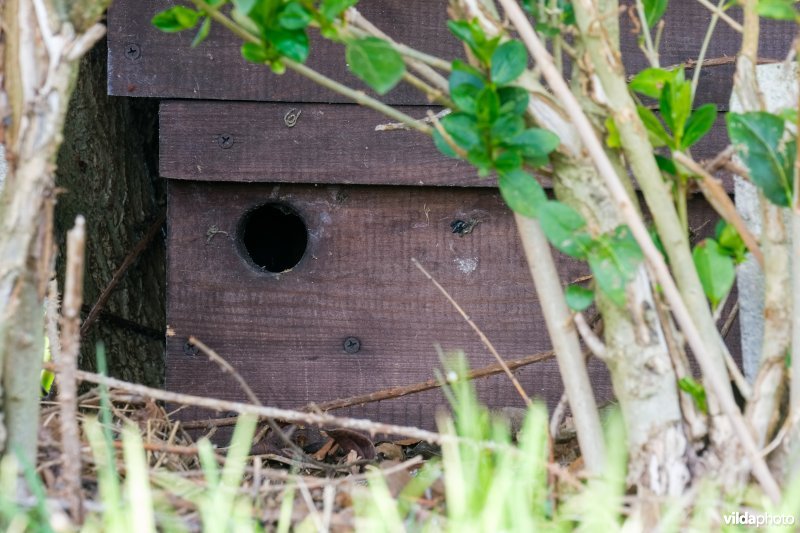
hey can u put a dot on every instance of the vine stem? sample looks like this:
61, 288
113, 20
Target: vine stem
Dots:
704, 47
359, 97
719, 387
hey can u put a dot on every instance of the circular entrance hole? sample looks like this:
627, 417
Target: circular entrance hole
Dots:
274, 237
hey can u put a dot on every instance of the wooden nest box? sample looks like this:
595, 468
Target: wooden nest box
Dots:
293, 223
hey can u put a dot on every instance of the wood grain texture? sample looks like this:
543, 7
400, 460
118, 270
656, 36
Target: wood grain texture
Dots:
328, 144
284, 333
167, 67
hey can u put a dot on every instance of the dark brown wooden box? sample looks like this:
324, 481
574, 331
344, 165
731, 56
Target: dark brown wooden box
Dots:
370, 203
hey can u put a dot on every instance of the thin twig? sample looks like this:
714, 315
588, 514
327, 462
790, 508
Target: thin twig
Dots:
724, 16
704, 47
67, 363
134, 254
722, 204
558, 416
718, 386
593, 342
485, 340
392, 126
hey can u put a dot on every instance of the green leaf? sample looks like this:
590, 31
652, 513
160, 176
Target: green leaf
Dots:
699, 123
513, 100
176, 18
290, 43
255, 53
535, 142
579, 298
508, 161
730, 241
777, 9
487, 106
376, 62
294, 16
650, 81
658, 135
465, 84
521, 192
506, 127
759, 141
202, 33
463, 129
614, 260
654, 10
789, 114
509, 60
331, 9
676, 106
696, 391
471, 33
244, 6
666, 164
715, 269
564, 228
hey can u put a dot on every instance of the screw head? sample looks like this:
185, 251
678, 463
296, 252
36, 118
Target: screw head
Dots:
225, 140
133, 51
190, 349
351, 345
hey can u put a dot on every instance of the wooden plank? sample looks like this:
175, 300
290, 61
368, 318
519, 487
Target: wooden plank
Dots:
327, 144
284, 332
145, 62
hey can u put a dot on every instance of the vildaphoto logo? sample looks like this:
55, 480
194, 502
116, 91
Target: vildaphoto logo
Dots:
758, 519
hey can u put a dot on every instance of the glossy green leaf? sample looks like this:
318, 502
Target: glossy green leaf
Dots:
513, 100
507, 127
698, 124
294, 16
535, 142
487, 106
471, 33
654, 10
463, 129
509, 61
665, 164
482, 160
565, 229
176, 18
202, 33
715, 269
696, 391
290, 43
655, 130
650, 81
466, 83
777, 9
759, 141
730, 241
676, 106
578, 298
331, 9
614, 260
255, 53
521, 192
376, 62
508, 161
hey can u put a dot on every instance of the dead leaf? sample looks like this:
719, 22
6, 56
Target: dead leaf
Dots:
323, 452
406, 442
349, 440
390, 451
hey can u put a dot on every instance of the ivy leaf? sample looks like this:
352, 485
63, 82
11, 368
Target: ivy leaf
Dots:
698, 124
777, 9
202, 33
290, 43
614, 260
654, 10
521, 192
535, 142
509, 60
655, 130
376, 62
331, 9
578, 298
758, 138
696, 391
564, 228
294, 16
175, 19
650, 81
715, 269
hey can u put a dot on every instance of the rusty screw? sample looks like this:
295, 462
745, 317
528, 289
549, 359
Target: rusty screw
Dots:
190, 349
132, 51
225, 140
352, 345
